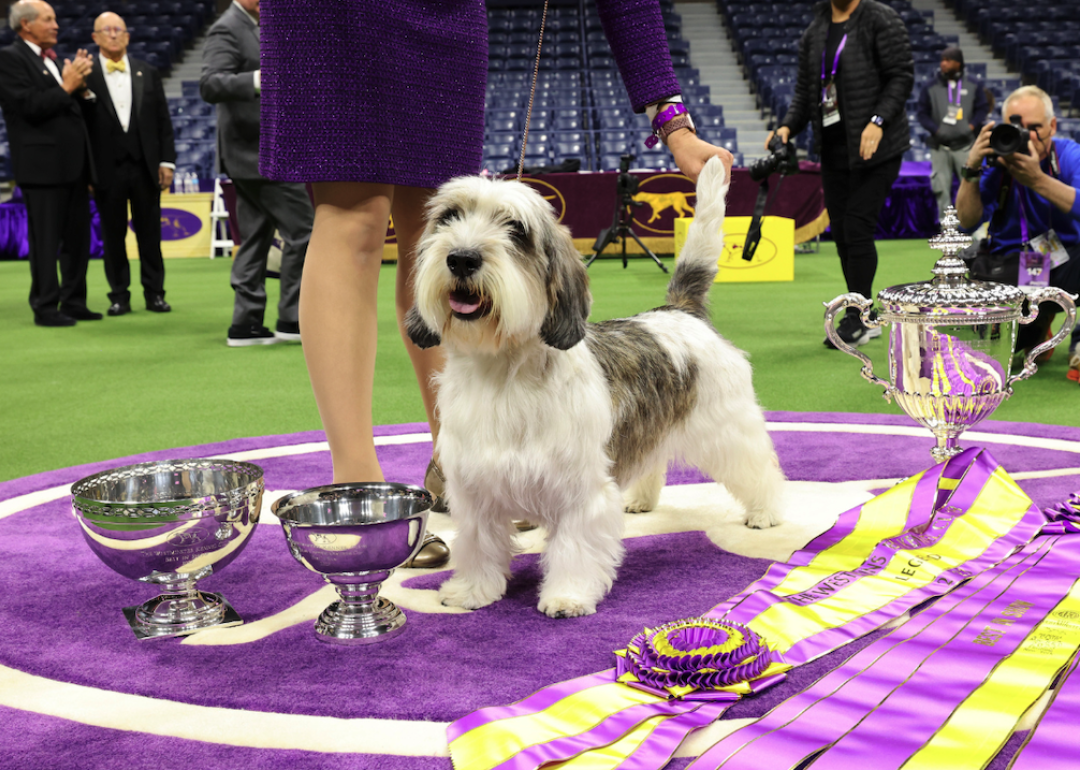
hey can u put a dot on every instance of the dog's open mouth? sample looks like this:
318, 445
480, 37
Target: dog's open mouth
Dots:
468, 306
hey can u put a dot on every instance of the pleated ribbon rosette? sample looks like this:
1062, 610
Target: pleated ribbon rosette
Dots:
699, 659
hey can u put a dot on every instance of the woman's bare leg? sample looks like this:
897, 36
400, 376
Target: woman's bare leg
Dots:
339, 319
408, 208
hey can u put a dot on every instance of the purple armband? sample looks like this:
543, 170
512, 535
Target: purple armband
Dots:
670, 112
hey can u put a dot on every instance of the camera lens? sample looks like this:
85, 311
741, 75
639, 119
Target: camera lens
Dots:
1007, 139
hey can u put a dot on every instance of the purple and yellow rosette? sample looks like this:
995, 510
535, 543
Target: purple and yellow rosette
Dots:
699, 659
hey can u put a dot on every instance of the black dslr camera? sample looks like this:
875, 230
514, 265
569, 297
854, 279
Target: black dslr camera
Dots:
1008, 138
782, 159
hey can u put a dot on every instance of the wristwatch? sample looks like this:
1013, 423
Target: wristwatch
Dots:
878, 121
969, 174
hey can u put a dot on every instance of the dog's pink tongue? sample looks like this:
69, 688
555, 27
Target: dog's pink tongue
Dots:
464, 307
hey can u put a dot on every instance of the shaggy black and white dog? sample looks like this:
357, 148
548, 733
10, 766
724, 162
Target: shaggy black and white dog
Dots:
549, 418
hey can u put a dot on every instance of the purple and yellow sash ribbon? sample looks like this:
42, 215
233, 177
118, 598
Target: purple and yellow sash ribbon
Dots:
920, 539
942, 692
1052, 744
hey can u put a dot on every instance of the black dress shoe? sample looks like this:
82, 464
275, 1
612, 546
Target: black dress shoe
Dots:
119, 308
82, 314
158, 305
53, 319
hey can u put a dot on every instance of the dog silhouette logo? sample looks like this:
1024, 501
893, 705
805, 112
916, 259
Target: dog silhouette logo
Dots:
666, 197
185, 538
178, 224
732, 256
660, 202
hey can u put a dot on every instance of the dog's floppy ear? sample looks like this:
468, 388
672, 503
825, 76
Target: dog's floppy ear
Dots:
422, 335
568, 293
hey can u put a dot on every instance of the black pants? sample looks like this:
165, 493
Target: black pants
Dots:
58, 226
131, 181
853, 198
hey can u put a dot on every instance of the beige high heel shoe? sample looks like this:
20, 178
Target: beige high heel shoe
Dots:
435, 483
433, 553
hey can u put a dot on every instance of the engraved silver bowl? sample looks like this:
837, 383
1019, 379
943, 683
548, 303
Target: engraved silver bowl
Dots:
171, 523
355, 535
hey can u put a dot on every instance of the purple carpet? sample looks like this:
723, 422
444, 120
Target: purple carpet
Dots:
443, 666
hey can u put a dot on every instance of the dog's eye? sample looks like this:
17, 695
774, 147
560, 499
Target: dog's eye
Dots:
517, 232
447, 216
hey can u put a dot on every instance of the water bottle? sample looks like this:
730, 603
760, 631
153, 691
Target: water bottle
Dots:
195, 181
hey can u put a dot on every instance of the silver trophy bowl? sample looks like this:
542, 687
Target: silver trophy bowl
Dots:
951, 342
171, 523
355, 535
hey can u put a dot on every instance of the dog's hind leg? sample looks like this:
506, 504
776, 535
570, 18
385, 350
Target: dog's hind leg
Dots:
583, 552
741, 457
482, 552
644, 493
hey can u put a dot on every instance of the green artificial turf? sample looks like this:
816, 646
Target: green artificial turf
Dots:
145, 381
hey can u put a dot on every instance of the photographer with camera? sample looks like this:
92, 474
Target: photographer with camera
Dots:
855, 75
952, 108
1023, 179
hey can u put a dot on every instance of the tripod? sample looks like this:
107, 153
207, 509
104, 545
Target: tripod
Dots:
620, 224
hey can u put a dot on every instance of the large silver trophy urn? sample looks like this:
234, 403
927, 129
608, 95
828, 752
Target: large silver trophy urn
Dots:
355, 535
951, 342
171, 523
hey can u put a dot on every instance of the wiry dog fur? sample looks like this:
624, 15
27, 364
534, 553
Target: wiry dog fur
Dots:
549, 418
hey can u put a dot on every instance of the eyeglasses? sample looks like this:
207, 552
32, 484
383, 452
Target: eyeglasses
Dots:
111, 31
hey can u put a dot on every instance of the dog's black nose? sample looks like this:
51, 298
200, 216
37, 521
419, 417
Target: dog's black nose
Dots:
463, 263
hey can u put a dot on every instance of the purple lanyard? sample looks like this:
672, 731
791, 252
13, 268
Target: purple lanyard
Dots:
836, 59
1020, 198
1023, 218
959, 89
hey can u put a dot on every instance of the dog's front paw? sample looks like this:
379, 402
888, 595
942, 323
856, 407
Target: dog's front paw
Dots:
459, 592
565, 606
763, 519
636, 505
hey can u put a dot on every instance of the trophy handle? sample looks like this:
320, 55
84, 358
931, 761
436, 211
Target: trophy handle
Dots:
843, 302
1035, 296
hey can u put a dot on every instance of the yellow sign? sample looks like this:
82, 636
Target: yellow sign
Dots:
774, 259
185, 226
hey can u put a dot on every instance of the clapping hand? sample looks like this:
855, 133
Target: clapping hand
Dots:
76, 70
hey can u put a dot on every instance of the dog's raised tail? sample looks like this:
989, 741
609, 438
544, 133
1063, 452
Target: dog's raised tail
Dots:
696, 268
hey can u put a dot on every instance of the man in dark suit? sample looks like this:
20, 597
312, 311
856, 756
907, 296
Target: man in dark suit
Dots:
50, 153
131, 135
230, 79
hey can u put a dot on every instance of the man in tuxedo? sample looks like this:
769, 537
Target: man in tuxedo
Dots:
132, 139
50, 153
230, 79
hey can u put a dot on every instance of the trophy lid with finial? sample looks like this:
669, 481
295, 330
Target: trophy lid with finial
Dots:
951, 296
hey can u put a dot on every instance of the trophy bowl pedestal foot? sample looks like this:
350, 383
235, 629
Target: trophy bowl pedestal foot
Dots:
345, 622
171, 615
946, 448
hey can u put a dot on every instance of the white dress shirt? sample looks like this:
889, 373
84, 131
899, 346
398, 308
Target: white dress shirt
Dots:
49, 63
119, 85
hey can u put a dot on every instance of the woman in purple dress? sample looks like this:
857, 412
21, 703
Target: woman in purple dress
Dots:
377, 104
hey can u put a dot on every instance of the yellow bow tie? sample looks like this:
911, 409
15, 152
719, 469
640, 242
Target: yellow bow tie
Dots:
113, 66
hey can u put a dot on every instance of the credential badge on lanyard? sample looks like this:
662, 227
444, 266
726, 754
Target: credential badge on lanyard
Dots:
956, 112
830, 107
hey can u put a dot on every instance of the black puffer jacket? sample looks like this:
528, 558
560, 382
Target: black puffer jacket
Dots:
876, 76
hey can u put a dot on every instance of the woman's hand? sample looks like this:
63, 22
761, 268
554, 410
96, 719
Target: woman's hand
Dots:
871, 138
692, 153
783, 132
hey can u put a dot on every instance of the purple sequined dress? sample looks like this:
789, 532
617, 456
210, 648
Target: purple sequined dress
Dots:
393, 91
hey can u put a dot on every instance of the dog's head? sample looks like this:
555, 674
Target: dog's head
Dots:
494, 268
